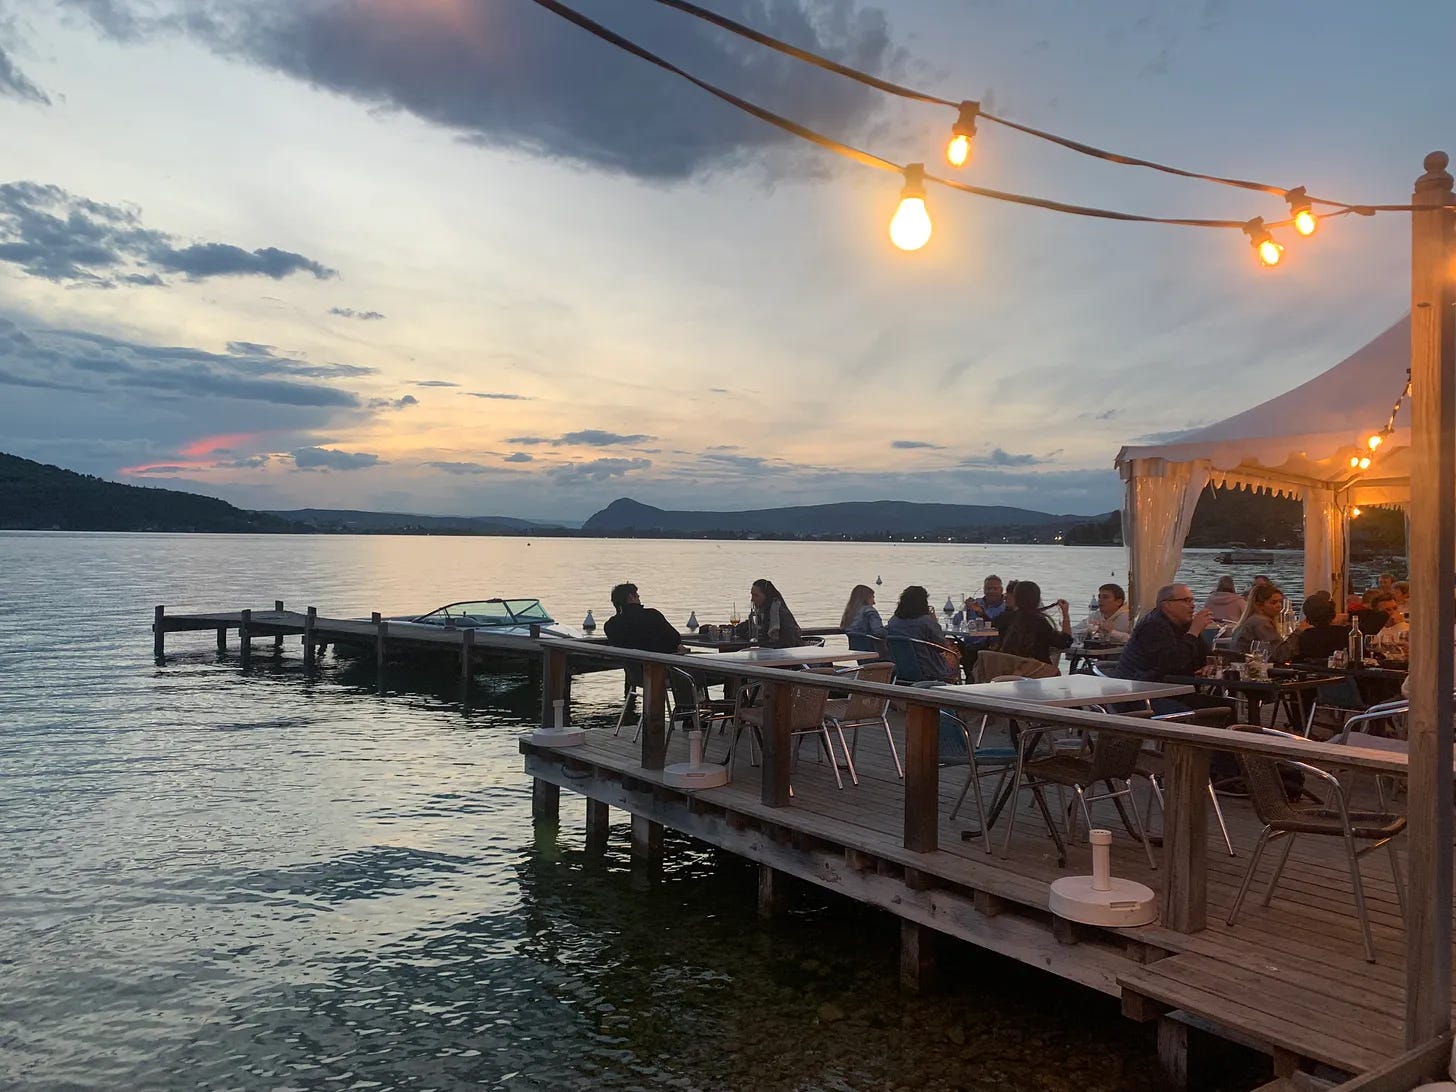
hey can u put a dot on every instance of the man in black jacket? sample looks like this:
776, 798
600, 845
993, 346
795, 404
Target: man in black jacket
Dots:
1166, 640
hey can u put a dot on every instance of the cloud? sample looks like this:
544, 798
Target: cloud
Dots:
597, 470
502, 397
323, 458
57, 236
998, 457
432, 383
595, 437
250, 348
528, 441
911, 445
513, 76
363, 316
253, 462
394, 403
519, 457
16, 85
459, 468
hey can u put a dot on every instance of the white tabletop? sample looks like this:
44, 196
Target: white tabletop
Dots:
807, 654
1069, 691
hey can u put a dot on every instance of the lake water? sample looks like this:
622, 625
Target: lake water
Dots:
214, 880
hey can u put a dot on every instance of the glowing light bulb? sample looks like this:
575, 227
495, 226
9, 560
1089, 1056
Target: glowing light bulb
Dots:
958, 150
910, 226
1354, 462
1375, 441
1365, 463
1270, 252
1305, 222
1264, 245
1354, 511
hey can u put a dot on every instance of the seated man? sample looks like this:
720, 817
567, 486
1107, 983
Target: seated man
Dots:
990, 606
1110, 623
1165, 641
639, 627
1317, 637
1393, 629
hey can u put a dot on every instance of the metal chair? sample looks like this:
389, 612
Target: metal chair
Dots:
863, 710
1285, 819
805, 718
958, 748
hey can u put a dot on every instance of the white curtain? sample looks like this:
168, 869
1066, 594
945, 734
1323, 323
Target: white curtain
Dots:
1157, 508
1324, 543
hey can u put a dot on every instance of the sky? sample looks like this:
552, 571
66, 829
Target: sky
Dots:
461, 257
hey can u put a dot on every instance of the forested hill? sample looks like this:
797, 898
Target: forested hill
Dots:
39, 497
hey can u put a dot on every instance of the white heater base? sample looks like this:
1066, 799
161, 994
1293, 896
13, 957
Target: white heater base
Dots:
557, 737
1127, 903
684, 775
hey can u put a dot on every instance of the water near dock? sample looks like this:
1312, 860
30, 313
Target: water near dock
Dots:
219, 880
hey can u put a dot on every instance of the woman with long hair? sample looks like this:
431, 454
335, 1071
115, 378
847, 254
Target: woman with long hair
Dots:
1029, 633
914, 618
1265, 603
1225, 603
777, 627
861, 622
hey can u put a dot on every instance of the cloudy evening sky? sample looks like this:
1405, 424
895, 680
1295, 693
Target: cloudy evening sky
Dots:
458, 256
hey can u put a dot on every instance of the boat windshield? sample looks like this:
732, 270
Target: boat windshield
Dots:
489, 612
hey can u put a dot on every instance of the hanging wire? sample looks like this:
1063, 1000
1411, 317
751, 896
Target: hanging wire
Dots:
869, 159
865, 78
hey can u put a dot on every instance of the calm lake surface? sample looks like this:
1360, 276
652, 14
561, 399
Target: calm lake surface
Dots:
214, 880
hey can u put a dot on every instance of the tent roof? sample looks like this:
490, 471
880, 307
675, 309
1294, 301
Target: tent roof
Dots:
1310, 432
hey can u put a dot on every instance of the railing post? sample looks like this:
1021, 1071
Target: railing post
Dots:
553, 684
922, 777
1185, 839
654, 716
310, 620
1432, 553
159, 635
778, 717
245, 638
278, 638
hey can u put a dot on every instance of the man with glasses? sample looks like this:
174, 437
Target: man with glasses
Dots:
1166, 640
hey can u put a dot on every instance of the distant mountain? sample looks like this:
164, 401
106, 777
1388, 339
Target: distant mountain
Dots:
347, 521
848, 519
39, 497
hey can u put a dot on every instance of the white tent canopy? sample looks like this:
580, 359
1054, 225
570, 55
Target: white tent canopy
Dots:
1298, 444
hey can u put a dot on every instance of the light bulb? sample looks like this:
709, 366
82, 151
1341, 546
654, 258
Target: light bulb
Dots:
958, 151
1354, 511
1264, 245
1365, 463
910, 226
1305, 222
1374, 441
1270, 252
1354, 462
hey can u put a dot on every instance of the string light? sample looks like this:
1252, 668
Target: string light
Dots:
1355, 512
1264, 245
958, 151
910, 226
1305, 221
1375, 439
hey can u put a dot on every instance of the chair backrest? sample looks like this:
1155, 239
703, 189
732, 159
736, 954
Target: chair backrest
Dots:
687, 695
1114, 757
991, 665
863, 642
808, 708
1376, 714
1262, 778
811, 642
920, 661
868, 706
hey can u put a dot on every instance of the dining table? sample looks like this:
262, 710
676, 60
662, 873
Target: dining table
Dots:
1081, 656
1284, 688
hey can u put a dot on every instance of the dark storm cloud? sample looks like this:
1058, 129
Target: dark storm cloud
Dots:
101, 367
16, 85
597, 470
363, 316
323, 458
514, 76
57, 236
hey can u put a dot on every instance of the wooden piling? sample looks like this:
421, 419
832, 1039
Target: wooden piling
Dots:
773, 895
598, 825
221, 640
545, 803
245, 638
917, 956
278, 638
467, 663
159, 635
381, 639
646, 840
310, 621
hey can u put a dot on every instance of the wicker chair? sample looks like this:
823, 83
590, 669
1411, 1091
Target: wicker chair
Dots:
806, 718
1288, 819
863, 711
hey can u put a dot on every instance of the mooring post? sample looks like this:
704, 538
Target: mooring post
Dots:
278, 637
159, 635
917, 956
467, 663
310, 620
245, 638
545, 803
654, 716
598, 824
222, 640
922, 777
778, 710
381, 635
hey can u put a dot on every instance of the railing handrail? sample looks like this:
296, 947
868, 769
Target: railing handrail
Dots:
1212, 739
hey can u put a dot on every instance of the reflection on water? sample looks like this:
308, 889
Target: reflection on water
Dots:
269, 880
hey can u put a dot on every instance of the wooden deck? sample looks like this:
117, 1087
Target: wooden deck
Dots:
1290, 979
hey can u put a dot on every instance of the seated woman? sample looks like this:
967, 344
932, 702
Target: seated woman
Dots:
1225, 604
861, 622
1265, 603
1029, 633
775, 623
915, 619
1317, 637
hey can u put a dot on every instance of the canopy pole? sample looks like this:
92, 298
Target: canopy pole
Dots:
1433, 576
